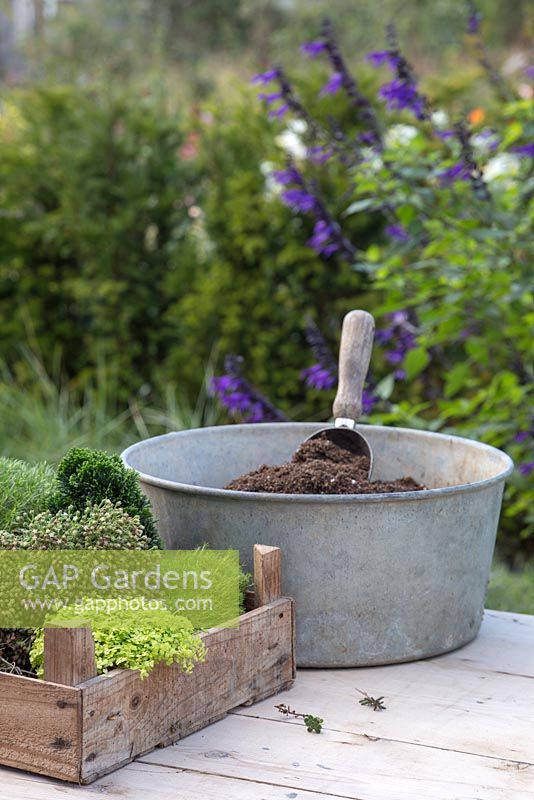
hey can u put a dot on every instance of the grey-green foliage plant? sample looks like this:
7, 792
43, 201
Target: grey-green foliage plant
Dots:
143, 639
103, 526
24, 488
91, 476
42, 414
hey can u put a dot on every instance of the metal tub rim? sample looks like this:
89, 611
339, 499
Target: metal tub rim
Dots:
278, 497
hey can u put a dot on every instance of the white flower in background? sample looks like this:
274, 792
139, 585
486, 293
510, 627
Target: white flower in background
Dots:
505, 165
485, 141
291, 142
297, 126
439, 119
266, 167
371, 159
400, 135
272, 187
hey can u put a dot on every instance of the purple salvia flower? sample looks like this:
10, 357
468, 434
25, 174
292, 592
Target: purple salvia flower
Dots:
523, 436
400, 95
329, 249
288, 99
526, 468
529, 71
317, 377
285, 177
400, 337
380, 57
366, 138
398, 317
224, 384
369, 400
238, 395
445, 134
271, 97
319, 154
333, 85
279, 112
323, 374
322, 232
263, 78
458, 172
398, 232
399, 374
307, 200
395, 356
299, 200
474, 18
323, 239
526, 150
359, 101
237, 401
313, 49
401, 92
383, 335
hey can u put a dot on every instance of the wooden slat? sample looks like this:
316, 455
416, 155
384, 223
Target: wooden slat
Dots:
449, 701
125, 716
267, 574
339, 763
244, 757
148, 782
69, 655
505, 644
427, 703
40, 727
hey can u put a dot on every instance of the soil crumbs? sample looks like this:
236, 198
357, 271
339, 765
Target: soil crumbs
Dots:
319, 466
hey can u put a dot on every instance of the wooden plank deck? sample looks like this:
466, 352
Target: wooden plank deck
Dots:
457, 727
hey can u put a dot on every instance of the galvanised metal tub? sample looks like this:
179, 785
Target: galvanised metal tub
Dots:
377, 579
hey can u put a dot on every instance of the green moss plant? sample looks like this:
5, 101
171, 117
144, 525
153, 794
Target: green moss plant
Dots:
90, 476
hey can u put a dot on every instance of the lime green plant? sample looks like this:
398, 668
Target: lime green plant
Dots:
142, 640
23, 488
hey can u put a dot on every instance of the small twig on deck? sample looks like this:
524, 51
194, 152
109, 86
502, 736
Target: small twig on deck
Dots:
373, 702
313, 724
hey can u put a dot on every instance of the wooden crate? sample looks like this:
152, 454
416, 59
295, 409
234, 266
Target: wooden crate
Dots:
77, 728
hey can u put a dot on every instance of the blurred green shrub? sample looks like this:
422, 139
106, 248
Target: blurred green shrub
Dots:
511, 590
94, 189
256, 279
132, 239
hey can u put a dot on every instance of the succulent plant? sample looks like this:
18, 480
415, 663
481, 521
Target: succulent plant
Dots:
102, 526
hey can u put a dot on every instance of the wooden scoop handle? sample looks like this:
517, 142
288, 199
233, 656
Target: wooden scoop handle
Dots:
355, 349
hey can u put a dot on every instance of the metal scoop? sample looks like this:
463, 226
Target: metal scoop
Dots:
355, 349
